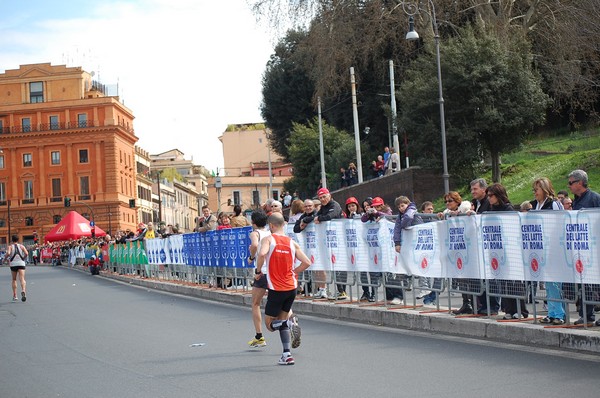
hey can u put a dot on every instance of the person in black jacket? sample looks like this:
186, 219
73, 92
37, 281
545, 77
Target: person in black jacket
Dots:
307, 217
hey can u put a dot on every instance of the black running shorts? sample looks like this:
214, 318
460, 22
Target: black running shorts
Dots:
15, 268
279, 301
261, 283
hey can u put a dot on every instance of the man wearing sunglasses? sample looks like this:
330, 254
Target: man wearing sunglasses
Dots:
585, 198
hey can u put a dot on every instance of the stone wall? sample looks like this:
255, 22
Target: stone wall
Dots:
416, 183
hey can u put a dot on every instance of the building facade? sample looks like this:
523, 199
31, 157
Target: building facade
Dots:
62, 136
245, 179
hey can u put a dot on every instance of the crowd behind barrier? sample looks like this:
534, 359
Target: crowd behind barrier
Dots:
507, 255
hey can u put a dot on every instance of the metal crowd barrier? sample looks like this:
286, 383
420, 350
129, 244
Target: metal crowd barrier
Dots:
485, 293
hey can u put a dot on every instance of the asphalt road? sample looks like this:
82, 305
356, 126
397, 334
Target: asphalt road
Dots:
83, 336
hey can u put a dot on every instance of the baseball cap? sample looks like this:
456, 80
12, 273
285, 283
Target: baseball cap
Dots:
322, 191
377, 201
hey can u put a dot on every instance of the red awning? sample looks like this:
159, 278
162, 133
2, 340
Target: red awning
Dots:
72, 226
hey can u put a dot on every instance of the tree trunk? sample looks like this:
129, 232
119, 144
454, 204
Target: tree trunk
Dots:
496, 176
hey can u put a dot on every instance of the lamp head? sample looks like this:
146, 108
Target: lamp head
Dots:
412, 33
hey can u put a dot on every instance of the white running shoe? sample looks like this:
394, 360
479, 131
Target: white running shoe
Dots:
321, 293
286, 359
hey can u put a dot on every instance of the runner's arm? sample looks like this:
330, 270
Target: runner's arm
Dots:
300, 256
264, 249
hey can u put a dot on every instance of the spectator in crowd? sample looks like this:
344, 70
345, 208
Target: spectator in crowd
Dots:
276, 207
208, 222
317, 204
238, 220
380, 166
407, 218
373, 213
223, 221
303, 221
329, 210
150, 233
567, 203
498, 199
562, 194
386, 156
94, 265
287, 199
296, 211
343, 177
585, 198
427, 207
352, 174
364, 276
352, 208
454, 205
525, 206
377, 210
373, 169
393, 163
545, 200
267, 206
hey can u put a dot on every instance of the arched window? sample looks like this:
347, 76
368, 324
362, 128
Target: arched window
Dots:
56, 218
28, 221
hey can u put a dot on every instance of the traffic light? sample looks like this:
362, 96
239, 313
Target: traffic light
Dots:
67, 201
132, 203
93, 232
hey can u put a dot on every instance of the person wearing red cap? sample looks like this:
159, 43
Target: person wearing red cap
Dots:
377, 210
329, 210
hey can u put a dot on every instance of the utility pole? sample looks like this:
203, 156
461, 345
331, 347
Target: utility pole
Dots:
356, 127
322, 151
394, 113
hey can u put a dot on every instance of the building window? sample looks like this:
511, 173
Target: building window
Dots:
82, 120
28, 191
275, 194
256, 198
2, 223
2, 193
54, 123
55, 157
26, 124
56, 190
27, 160
56, 218
36, 92
1, 127
83, 156
84, 188
1, 161
28, 221
236, 198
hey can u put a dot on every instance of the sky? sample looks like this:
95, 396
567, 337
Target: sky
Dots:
185, 68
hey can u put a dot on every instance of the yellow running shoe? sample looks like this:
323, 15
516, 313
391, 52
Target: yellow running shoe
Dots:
255, 343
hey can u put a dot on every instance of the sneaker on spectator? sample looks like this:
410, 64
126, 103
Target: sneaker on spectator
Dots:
597, 323
547, 320
507, 316
520, 316
372, 298
396, 301
321, 293
286, 359
558, 321
580, 321
365, 296
341, 296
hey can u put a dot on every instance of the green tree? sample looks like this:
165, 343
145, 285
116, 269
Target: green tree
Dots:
287, 92
493, 99
338, 148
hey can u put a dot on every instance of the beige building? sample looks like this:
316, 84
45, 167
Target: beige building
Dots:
245, 178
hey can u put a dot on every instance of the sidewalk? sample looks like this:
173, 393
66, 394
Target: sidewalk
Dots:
421, 318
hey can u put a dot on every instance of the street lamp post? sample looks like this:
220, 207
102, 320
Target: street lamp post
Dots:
411, 8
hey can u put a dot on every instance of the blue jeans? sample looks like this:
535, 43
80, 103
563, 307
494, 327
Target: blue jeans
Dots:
555, 308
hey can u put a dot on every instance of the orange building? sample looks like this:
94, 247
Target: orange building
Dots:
63, 136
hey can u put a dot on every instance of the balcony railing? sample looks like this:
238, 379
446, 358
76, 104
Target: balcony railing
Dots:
55, 126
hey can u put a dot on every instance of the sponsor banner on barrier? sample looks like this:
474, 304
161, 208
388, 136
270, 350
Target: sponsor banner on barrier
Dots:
537, 245
500, 238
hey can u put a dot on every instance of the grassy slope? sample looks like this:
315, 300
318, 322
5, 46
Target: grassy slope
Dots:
553, 157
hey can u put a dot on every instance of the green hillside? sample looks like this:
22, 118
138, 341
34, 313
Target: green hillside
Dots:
552, 157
